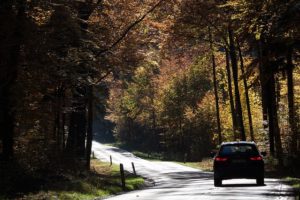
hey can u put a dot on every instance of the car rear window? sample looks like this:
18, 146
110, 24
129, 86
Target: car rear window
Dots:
238, 149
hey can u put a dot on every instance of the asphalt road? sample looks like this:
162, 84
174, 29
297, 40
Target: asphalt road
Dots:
176, 182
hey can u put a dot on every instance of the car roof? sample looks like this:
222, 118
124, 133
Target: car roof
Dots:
238, 142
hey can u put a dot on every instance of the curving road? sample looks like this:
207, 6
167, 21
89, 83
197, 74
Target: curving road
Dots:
177, 182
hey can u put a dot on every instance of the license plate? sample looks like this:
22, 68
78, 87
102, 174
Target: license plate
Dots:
238, 161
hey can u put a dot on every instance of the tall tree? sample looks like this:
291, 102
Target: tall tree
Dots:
264, 96
231, 100
238, 106
246, 92
272, 24
11, 23
291, 104
273, 116
215, 87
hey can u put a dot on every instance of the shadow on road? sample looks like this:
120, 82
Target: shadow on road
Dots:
188, 175
242, 185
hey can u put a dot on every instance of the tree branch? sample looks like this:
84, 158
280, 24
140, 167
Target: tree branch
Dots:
103, 77
129, 28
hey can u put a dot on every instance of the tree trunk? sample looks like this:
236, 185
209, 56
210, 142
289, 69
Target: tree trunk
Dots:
233, 113
215, 89
63, 120
263, 65
89, 127
216, 99
63, 131
273, 117
154, 123
9, 66
78, 121
238, 106
246, 94
7, 126
57, 121
71, 139
291, 104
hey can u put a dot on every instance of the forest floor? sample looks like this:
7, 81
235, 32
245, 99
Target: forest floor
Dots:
101, 181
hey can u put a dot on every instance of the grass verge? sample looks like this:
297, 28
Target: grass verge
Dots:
205, 165
148, 156
295, 183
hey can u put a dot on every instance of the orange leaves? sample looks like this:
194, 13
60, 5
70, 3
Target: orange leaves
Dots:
40, 16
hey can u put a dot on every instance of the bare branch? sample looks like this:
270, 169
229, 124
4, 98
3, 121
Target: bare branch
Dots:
103, 77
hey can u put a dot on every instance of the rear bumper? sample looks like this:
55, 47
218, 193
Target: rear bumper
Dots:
232, 173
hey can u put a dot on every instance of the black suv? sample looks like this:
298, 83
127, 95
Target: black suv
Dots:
238, 160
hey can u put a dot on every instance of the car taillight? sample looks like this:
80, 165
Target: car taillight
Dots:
256, 158
221, 159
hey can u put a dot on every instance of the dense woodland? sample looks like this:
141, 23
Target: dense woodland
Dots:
176, 77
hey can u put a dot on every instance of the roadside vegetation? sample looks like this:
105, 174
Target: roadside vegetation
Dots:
206, 164
103, 180
295, 183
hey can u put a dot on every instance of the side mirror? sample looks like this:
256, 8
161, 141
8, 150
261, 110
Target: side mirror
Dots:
263, 153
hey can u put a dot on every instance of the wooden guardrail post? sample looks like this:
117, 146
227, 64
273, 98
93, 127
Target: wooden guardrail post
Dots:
133, 168
110, 158
122, 176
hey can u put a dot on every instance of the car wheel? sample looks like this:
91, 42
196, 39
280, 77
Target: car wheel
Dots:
260, 181
217, 182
